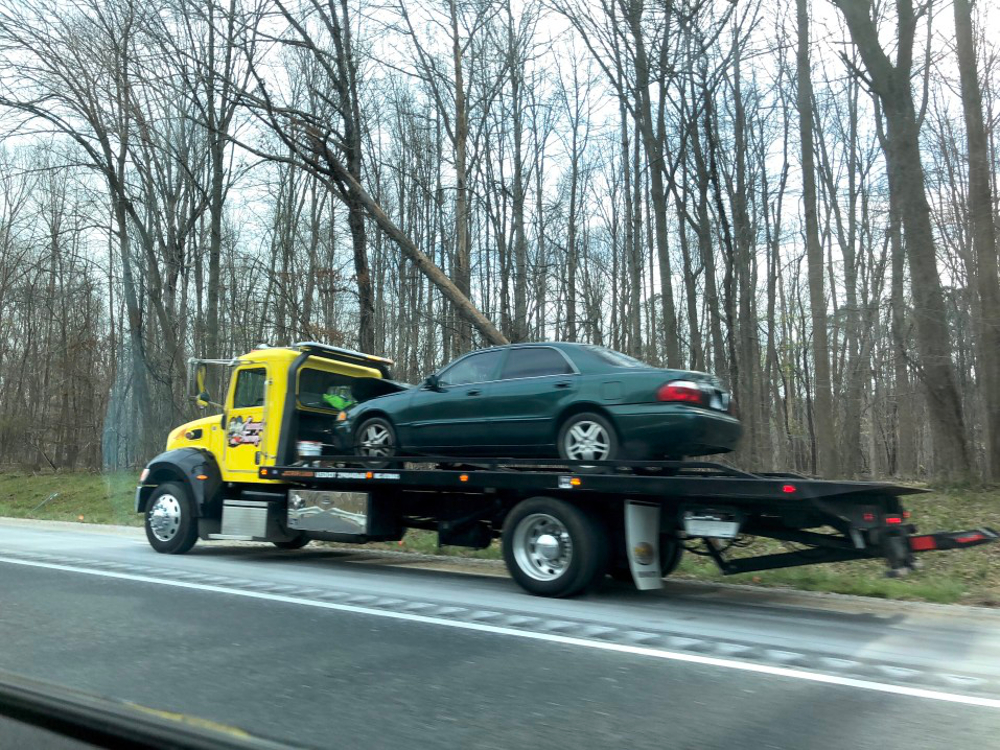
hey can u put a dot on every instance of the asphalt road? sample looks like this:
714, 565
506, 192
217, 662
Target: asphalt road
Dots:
326, 648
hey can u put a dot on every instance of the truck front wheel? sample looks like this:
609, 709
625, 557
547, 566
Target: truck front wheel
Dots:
553, 548
171, 527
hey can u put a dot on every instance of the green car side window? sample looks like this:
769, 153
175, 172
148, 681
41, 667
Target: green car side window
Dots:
476, 368
534, 362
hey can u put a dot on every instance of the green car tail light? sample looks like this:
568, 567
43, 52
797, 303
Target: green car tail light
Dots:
682, 391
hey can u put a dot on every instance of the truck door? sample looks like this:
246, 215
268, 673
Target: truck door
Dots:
245, 430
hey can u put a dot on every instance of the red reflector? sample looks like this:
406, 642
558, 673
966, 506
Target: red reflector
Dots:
969, 538
788, 489
893, 519
906, 514
869, 516
683, 391
922, 543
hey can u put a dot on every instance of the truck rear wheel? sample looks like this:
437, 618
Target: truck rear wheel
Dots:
553, 548
171, 527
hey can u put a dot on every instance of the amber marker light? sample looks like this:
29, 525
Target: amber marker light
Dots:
463, 478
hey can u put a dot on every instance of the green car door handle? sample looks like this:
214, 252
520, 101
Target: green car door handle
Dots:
563, 384
475, 392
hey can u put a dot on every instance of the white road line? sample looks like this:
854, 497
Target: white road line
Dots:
797, 674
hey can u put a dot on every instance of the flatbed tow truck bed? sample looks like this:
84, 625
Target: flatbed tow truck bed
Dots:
564, 524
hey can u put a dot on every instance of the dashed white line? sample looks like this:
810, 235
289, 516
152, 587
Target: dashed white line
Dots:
712, 661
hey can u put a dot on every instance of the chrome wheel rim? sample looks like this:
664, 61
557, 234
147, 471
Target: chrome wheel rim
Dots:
542, 546
587, 441
375, 440
165, 517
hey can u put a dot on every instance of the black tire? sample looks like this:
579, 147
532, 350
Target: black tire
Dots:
670, 557
582, 560
671, 551
361, 446
171, 526
297, 542
603, 434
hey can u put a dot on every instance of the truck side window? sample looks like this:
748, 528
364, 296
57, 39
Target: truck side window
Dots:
249, 388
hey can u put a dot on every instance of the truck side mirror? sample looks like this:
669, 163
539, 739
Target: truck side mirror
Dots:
202, 399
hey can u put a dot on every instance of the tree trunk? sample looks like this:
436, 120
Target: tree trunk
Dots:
827, 458
463, 260
658, 198
984, 236
892, 84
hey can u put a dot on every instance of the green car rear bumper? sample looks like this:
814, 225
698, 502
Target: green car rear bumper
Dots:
657, 431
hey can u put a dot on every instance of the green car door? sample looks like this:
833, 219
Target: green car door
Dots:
535, 384
449, 416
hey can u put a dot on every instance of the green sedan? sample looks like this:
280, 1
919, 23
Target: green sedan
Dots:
572, 401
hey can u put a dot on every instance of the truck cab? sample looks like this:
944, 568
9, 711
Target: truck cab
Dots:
280, 402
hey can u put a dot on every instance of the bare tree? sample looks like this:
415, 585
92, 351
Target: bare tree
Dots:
891, 83
826, 443
984, 233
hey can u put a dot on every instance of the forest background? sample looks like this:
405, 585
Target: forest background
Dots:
800, 197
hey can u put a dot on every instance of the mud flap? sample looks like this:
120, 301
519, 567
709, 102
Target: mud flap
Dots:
642, 541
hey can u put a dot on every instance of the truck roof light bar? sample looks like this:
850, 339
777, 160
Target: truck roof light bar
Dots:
316, 346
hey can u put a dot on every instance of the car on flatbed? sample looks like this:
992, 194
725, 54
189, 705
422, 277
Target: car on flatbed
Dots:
558, 400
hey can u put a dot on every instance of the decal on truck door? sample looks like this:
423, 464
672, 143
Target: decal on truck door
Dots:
245, 432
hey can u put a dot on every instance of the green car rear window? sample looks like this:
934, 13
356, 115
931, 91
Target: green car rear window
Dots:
613, 358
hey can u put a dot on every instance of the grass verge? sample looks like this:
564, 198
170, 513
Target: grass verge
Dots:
76, 496
966, 577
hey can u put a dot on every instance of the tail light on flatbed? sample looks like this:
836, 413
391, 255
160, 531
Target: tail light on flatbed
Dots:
952, 539
695, 393
682, 391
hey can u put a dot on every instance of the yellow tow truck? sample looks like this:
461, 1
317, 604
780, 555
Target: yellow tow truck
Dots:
266, 470
280, 405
